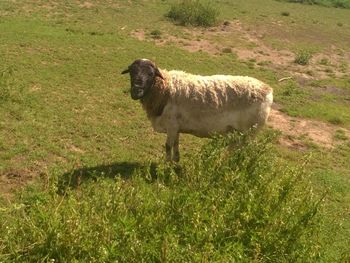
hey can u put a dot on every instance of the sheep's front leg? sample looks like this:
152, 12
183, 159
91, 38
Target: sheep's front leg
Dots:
172, 146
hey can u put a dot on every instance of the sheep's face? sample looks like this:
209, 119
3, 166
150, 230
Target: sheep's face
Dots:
143, 73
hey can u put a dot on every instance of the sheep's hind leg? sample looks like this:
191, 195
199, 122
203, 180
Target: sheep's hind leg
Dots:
176, 153
168, 151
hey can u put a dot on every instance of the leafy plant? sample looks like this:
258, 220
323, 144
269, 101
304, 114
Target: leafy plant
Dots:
235, 200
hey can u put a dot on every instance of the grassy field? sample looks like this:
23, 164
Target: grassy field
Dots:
67, 120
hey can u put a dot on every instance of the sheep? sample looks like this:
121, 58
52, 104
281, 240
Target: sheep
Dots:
178, 102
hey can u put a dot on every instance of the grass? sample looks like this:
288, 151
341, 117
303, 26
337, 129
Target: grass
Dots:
219, 205
340, 135
6, 84
68, 115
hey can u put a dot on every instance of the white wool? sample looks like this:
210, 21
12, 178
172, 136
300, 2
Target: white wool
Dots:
207, 105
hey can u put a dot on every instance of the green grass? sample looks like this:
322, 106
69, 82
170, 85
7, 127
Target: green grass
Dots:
220, 205
312, 102
66, 114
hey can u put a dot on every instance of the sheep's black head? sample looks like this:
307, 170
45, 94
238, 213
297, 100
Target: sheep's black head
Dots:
143, 73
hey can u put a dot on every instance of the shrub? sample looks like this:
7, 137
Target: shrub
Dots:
235, 201
303, 57
156, 34
194, 12
285, 13
226, 50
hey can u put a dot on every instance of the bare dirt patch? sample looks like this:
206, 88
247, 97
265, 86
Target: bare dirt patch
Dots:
12, 180
295, 131
86, 4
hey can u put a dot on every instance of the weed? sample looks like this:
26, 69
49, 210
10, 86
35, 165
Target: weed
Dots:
309, 72
302, 57
156, 34
285, 13
264, 63
343, 66
194, 12
227, 50
242, 204
325, 62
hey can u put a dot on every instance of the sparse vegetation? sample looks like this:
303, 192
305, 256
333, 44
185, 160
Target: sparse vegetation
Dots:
194, 13
336, 120
227, 50
264, 63
325, 62
340, 135
302, 57
327, 3
343, 66
156, 34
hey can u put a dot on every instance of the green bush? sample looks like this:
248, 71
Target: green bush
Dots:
194, 12
235, 201
156, 34
285, 13
302, 57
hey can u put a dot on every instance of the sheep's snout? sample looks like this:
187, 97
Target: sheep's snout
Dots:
137, 92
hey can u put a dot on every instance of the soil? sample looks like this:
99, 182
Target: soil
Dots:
249, 45
299, 132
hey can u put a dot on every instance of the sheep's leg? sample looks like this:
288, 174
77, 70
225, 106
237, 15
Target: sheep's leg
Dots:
176, 153
168, 151
172, 146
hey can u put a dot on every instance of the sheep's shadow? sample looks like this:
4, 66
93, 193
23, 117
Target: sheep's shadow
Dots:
125, 170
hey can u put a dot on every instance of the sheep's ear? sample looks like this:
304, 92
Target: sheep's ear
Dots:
125, 71
158, 74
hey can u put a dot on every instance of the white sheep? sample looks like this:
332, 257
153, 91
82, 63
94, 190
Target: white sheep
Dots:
179, 102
